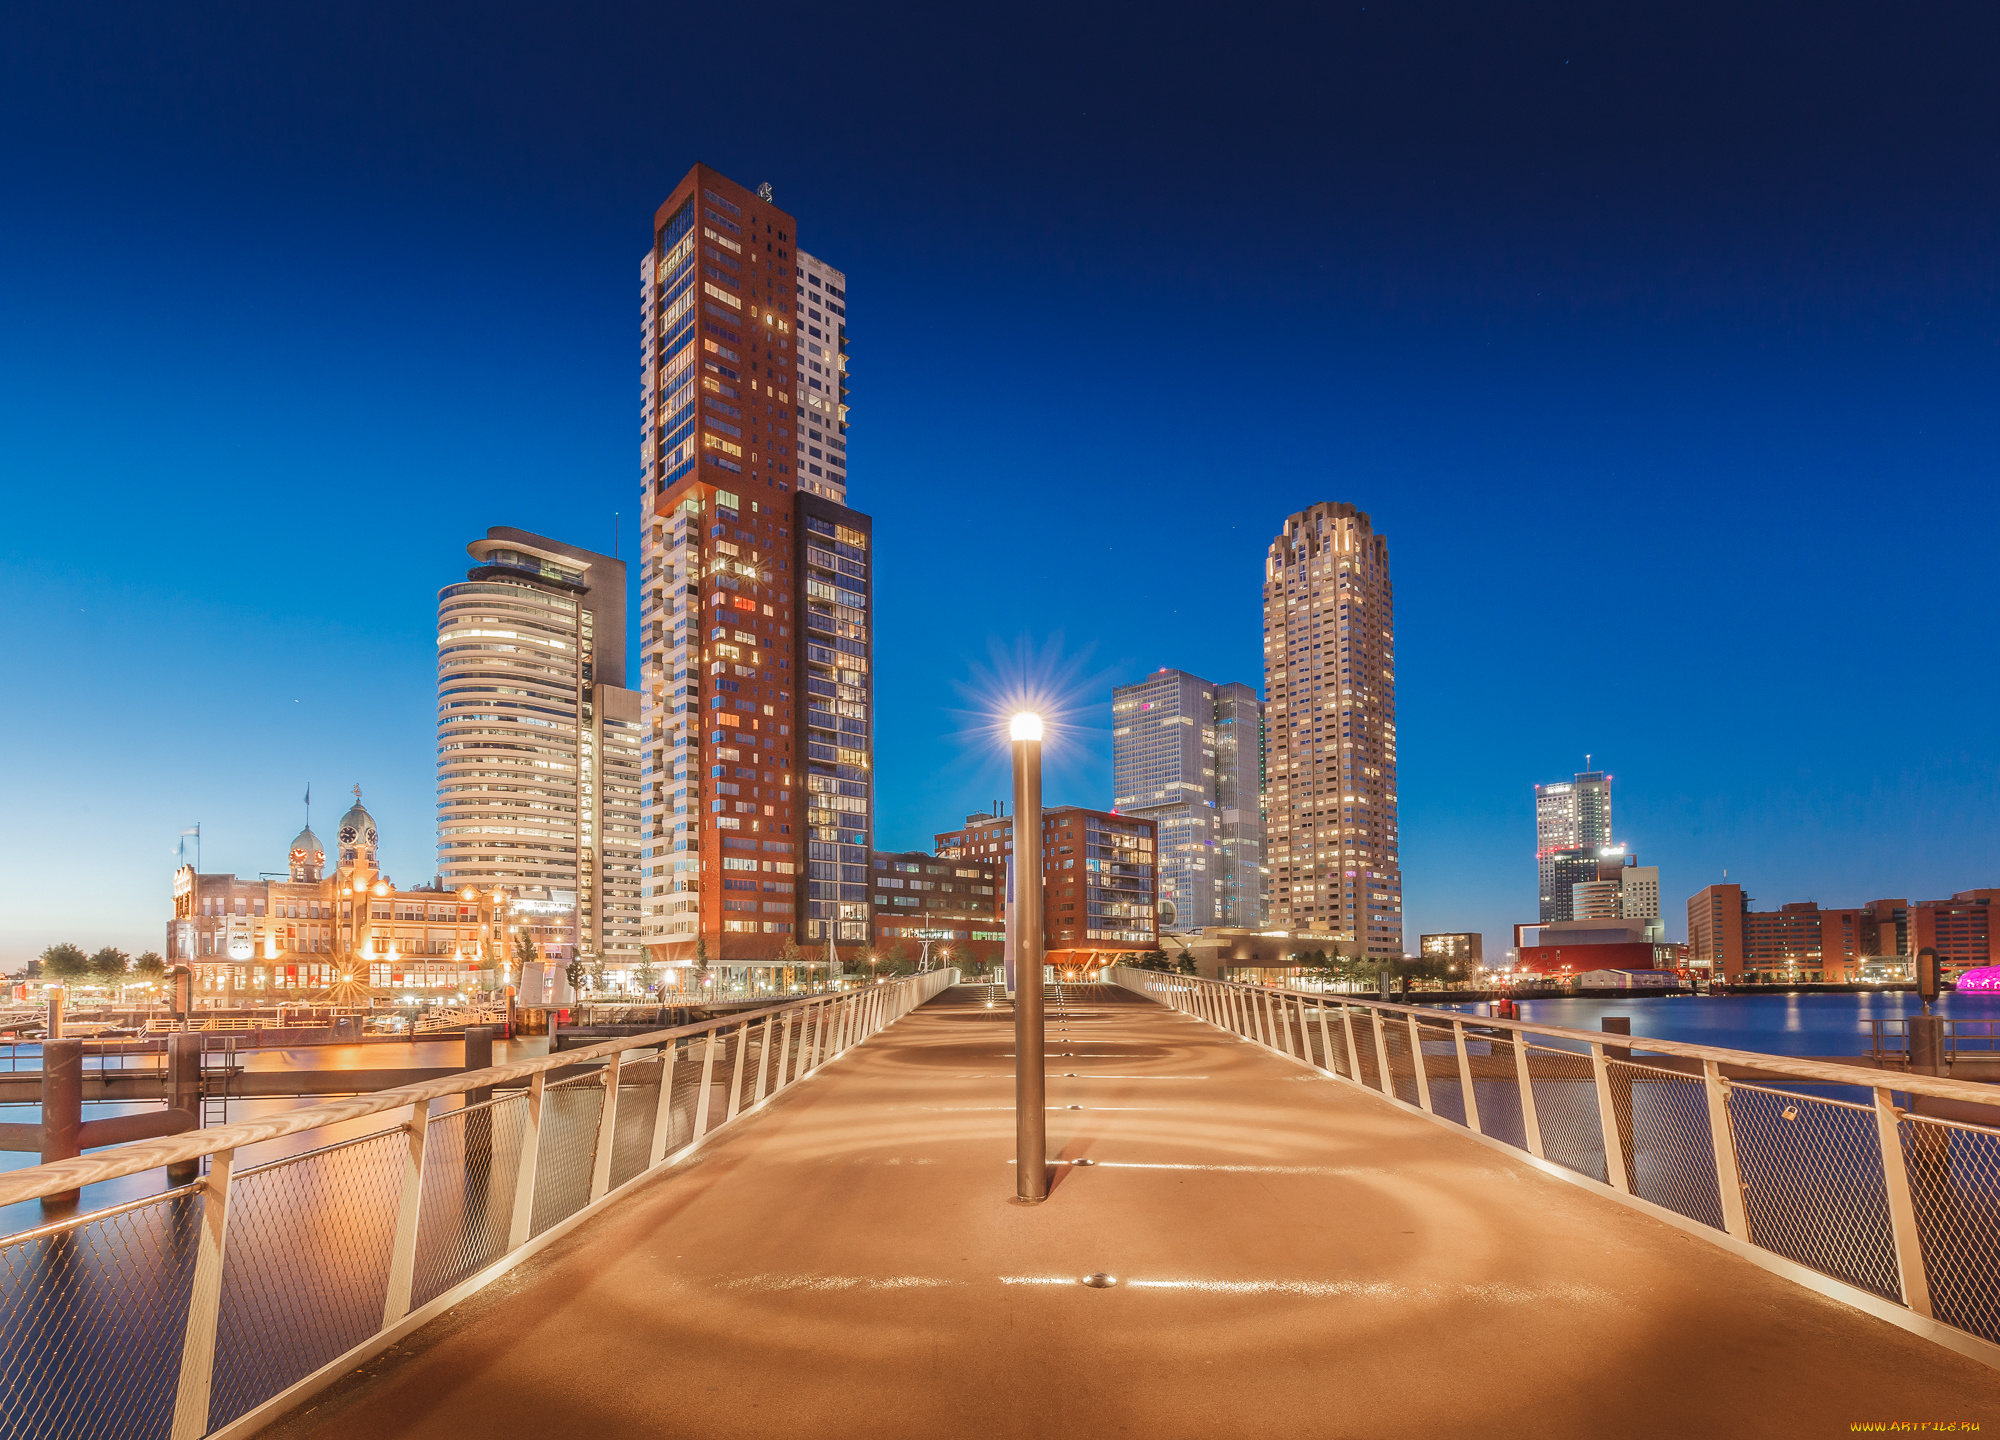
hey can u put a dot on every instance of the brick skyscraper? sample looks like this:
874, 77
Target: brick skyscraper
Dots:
754, 612
1330, 700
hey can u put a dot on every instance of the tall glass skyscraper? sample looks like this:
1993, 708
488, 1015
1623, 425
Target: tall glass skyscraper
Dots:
1186, 754
1330, 697
1572, 825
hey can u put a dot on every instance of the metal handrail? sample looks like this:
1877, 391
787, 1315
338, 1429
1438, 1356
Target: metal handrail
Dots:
563, 1161
59, 1176
1883, 1206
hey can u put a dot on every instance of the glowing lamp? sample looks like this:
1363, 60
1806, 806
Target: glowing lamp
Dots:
1027, 726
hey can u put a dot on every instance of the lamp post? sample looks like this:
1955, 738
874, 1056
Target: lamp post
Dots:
1031, 1141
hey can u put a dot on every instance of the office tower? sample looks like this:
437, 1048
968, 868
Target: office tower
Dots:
755, 609
1185, 754
1572, 824
538, 743
1330, 707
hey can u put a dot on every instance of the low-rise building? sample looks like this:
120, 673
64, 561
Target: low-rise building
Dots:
271, 938
1567, 949
958, 907
1465, 948
1802, 943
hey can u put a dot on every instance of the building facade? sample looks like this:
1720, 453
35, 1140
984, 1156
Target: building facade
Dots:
1187, 754
756, 693
1464, 948
538, 742
957, 906
1572, 832
1330, 797
1803, 943
352, 926
1099, 895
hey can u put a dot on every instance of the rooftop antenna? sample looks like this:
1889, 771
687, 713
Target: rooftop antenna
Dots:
764, 192
614, 534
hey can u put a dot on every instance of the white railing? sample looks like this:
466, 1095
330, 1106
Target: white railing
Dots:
1812, 1170
215, 1306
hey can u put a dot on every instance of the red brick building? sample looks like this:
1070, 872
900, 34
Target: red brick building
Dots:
959, 906
1802, 943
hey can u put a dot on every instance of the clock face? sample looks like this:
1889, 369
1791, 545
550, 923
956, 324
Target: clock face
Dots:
347, 834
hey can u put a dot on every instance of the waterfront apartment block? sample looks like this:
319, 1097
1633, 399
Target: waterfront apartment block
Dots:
984, 837
1187, 754
288, 938
538, 742
1801, 942
1098, 885
1572, 831
756, 623
958, 906
1465, 948
1330, 798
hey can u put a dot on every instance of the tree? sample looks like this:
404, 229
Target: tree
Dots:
573, 972
110, 965
789, 952
150, 968
648, 975
65, 962
1154, 960
897, 957
600, 979
526, 952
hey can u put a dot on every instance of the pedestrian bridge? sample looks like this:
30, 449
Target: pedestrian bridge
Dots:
1270, 1213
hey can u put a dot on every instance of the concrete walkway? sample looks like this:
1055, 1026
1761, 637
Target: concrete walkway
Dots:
1292, 1258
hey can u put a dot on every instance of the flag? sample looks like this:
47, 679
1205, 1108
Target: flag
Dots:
309, 794
195, 831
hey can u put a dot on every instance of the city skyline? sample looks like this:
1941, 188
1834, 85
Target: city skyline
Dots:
1693, 311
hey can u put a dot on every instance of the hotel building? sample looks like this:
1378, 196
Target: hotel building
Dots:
755, 616
1187, 754
538, 742
1330, 704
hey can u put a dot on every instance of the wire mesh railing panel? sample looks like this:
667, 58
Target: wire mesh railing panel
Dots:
1440, 1062
1402, 1069
1954, 1175
1663, 1127
92, 1317
472, 1161
638, 1101
570, 1112
1496, 1085
1812, 1183
754, 1044
1566, 1110
1335, 1042
1362, 1024
305, 1268
1316, 1053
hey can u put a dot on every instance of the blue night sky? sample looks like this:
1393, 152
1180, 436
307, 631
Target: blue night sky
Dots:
1659, 339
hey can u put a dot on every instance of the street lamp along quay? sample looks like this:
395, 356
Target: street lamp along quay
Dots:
1031, 1144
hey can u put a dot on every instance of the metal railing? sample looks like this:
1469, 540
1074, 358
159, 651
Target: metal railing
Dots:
1878, 1189
213, 1307
1889, 1039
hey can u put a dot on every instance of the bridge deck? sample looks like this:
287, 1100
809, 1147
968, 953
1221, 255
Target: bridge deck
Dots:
1293, 1258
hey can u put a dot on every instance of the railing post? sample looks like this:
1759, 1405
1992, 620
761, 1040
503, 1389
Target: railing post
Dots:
1910, 1272
1326, 1038
1347, 1030
809, 1057
1417, 1064
1383, 1079
784, 1050
204, 1303
1285, 1027
1465, 1078
1531, 1122
1722, 1139
763, 1060
663, 1113
531, 1151
736, 1073
701, 1096
403, 1251
607, 1129
1607, 1119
